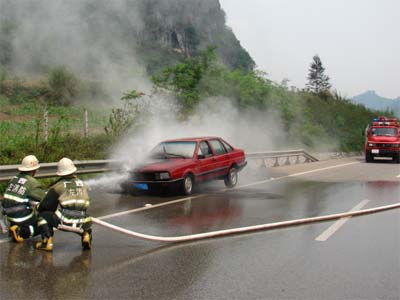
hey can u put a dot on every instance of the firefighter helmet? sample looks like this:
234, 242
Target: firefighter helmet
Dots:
65, 167
29, 163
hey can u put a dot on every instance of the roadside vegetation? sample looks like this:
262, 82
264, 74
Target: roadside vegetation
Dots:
22, 122
312, 117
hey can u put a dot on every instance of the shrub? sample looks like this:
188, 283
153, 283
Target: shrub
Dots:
121, 119
63, 86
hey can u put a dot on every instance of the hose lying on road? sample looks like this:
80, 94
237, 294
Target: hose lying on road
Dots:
207, 235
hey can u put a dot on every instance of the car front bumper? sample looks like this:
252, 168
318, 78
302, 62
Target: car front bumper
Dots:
383, 152
142, 185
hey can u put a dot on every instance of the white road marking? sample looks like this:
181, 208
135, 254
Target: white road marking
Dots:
398, 176
339, 223
322, 169
147, 207
296, 174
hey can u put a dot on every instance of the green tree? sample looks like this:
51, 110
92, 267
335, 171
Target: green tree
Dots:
318, 81
184, 78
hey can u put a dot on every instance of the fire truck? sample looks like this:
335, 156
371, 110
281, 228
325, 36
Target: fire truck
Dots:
382, 139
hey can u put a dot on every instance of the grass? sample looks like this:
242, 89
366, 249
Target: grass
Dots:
22, 132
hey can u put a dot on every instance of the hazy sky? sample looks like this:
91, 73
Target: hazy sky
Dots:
358, 41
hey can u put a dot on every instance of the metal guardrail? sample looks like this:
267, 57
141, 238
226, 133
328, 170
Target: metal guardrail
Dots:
99, 166
49, 169
282, 157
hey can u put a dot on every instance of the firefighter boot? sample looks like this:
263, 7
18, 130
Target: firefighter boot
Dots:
87, 240
46, 244
15, 234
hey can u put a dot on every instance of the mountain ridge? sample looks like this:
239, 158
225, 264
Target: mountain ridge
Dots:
372, 100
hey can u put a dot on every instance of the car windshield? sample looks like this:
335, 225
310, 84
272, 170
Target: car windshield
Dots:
381, 131
174, 150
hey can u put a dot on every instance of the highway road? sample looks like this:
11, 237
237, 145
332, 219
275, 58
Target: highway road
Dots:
352, 258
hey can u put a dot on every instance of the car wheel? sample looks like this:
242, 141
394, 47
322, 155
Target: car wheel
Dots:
231, 178
187, 185
368, 157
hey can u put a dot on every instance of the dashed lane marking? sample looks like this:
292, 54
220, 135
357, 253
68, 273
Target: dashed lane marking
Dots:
339, 223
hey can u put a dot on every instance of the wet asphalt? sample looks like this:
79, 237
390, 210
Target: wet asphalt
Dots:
361, 260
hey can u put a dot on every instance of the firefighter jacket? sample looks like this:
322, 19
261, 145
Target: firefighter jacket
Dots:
68, 198
22, 195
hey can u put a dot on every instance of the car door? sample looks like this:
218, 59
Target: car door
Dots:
207, 162
222, 158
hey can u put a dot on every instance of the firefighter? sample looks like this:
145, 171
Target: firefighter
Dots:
64, 208
21, 197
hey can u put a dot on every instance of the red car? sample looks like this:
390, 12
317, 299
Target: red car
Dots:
182, 163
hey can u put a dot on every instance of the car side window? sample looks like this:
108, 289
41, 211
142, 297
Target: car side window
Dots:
227, 147
205, 149
218, 147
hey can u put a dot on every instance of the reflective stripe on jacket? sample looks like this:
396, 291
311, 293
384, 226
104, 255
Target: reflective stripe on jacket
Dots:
69, 194
72, 220
21, 219
25, 190
15, 198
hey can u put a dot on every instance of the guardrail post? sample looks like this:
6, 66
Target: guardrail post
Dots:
287, 162
276, 164
297, 159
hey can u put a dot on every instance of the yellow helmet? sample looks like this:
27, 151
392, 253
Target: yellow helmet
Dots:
29, 163
65, 167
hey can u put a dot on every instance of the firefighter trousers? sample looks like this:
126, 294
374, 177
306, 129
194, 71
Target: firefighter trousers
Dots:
49, 220
27, 228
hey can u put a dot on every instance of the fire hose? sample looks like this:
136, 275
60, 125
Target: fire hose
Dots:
232, 231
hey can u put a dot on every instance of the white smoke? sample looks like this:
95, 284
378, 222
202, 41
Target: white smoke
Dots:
94, 39
248, 130
251, 130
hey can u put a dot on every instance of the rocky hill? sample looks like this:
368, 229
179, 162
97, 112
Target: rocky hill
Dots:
92, 36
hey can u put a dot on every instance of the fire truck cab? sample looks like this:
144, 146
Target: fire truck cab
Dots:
382, 139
